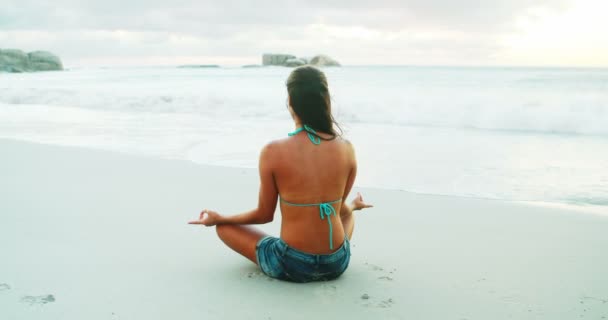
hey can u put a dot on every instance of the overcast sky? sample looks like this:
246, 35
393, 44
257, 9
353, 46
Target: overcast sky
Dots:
385, 32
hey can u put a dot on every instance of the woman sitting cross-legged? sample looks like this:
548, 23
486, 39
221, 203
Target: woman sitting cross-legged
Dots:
312, 172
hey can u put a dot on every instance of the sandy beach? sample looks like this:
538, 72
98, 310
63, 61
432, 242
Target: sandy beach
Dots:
91, 235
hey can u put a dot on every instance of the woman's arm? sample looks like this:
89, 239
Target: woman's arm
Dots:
357, 203
267, 201
345, 209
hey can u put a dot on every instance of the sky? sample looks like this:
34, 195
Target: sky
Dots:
354, 32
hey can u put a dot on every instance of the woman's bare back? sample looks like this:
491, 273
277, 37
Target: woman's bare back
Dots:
312, 172
306, 173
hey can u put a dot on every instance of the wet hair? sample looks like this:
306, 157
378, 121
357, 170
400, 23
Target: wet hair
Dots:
310, 100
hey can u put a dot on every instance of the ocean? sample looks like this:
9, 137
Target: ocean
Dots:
529, 134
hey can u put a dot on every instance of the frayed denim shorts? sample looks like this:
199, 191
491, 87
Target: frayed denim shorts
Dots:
280, 261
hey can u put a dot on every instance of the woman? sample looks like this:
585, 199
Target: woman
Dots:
312, 172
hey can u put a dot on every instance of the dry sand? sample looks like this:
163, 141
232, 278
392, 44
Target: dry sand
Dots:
97, 235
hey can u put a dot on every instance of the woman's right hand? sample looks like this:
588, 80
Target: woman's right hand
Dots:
208, 218
358, 203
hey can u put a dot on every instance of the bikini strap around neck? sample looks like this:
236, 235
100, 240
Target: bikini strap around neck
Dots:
312, 134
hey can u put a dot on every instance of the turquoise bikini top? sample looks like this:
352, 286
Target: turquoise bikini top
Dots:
312, 134
326, 209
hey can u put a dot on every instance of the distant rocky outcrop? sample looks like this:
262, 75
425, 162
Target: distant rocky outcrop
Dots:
324, 61
288, 60
296, 62
15, 60
273, 59
44, 61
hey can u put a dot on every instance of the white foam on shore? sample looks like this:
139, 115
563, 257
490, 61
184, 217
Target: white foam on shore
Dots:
538, 100
514, 134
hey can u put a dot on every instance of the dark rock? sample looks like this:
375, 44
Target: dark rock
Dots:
323, 61
273, 59
14, 60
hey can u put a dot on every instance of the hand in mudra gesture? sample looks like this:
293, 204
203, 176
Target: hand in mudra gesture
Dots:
208, 218
359, 204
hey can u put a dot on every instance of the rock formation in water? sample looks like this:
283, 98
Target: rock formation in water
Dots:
323, 61
14, 60
272, 59
295, 62
288, 60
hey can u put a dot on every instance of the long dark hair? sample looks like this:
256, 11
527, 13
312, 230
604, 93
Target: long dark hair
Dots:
310, 100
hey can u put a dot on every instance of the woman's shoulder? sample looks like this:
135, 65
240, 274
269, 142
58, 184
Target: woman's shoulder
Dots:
343, 140
284, 143
273, 147
275, 144
348, 145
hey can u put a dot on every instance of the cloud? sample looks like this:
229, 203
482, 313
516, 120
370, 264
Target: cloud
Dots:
196, 17
238, 31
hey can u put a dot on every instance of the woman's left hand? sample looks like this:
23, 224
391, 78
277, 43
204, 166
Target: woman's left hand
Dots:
208, 218
359, 204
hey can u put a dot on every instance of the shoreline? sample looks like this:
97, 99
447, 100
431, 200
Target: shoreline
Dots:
89, 234
583, 208
488, 143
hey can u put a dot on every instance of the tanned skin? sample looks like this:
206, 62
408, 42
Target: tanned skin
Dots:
300, 172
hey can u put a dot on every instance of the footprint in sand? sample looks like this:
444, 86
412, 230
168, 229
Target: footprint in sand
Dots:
39, 300
368, 301
258, 275
4, 286
326, 290
589, 304
372, 301
385, 303
374, 267
594, 299
254, 274
388, 276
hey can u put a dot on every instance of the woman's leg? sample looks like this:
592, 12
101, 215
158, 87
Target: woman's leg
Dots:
240, 238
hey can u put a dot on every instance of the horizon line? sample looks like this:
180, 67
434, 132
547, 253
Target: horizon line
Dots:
238, 66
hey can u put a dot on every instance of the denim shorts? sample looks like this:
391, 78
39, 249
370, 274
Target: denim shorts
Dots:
280, 261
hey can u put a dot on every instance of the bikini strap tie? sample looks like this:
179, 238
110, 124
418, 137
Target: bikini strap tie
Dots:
326, 210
